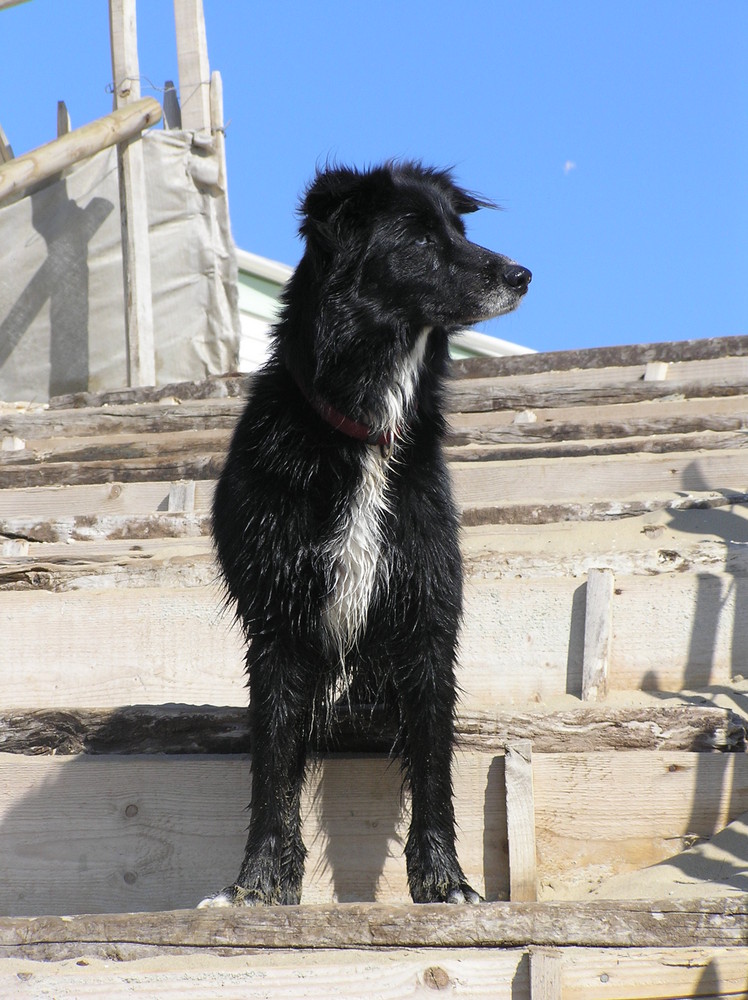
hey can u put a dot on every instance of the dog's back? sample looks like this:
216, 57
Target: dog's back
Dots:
334, 521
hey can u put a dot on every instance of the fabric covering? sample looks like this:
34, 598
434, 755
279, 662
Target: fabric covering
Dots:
62, 316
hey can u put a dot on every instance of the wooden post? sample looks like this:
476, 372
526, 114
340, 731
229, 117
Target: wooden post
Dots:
172, 111
6, 150
598, 632
136, 255
520, 822
194, 68
63, 119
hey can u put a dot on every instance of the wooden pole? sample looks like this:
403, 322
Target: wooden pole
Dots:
194, 67
136, 255
40, 164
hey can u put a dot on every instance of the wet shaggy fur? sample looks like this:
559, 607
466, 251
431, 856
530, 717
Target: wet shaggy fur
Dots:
341, 555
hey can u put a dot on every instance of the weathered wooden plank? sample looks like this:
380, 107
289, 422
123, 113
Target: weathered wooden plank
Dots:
575, 423
520, 822
717, 377
661, 444
313, 974
196, 729
522, 642
604, 357
138, 418
150, 468
689, 416
642, 924
214, 386
118, 451
113, 527
40, 164
483, 489
116, 448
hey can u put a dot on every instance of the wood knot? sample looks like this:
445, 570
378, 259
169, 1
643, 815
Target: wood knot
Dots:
436, 978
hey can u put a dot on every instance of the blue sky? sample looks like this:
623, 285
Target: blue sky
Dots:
614, 134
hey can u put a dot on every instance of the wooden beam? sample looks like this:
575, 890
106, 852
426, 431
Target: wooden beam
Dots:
42, 163
136, 255
598, 634
194, 67
5, 4
619, 924
207, 729
520, 822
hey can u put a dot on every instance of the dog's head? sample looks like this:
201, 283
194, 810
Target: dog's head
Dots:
395, 233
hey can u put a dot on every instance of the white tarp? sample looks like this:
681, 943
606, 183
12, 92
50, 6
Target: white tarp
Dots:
62, 321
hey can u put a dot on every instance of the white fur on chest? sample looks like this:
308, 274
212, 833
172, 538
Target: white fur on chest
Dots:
355, 551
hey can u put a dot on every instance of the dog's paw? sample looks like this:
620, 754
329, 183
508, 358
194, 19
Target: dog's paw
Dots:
444, 890
464, 894
232, 895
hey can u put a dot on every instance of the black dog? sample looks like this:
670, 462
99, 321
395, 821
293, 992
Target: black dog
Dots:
333, 519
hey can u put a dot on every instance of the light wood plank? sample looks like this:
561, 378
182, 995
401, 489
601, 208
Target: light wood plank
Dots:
520, 822
522, 642
598, 634
194, 67
318, 974
643, 974
106, 833
95, 834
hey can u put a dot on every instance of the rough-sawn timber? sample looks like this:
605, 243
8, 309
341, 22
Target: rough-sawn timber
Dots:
640, 923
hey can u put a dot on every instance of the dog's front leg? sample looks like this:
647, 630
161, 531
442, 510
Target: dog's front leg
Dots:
273, 866
427, 712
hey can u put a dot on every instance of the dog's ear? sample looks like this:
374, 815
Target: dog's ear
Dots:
333, 202
465, 202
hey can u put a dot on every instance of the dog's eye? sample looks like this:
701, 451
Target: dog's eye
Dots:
423, 240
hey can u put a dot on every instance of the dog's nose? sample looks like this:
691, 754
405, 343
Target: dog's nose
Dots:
517, 276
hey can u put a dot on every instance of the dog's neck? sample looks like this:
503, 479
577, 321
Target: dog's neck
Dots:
396, 400
346, 425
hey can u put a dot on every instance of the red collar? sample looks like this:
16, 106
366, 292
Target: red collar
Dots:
351, 428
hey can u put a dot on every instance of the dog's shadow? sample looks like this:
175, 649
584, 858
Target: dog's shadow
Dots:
357, 810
